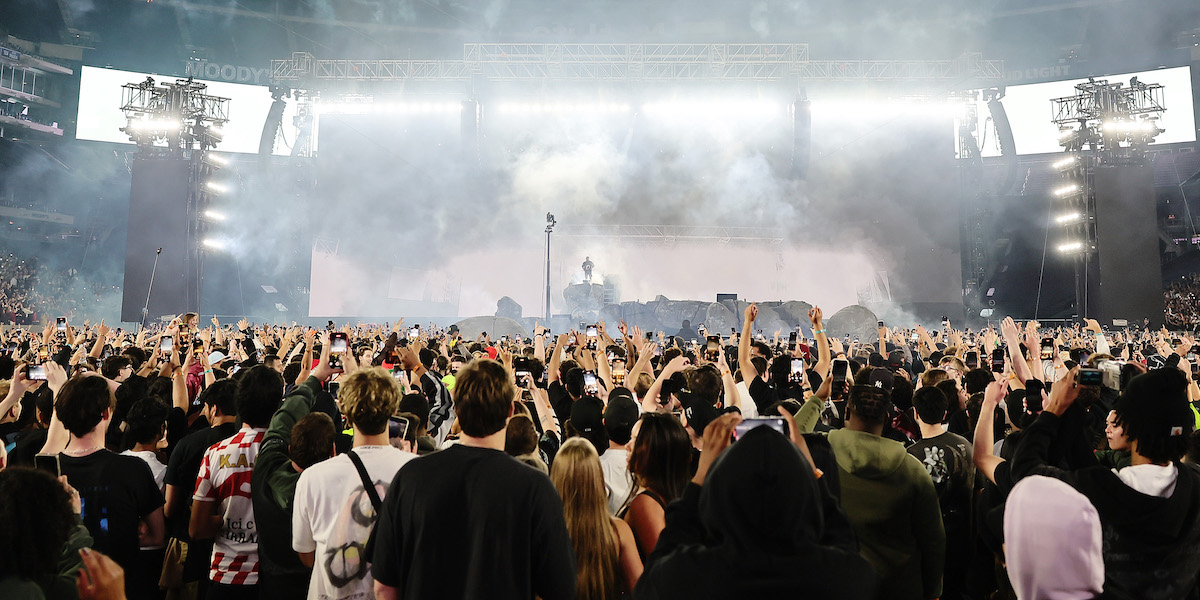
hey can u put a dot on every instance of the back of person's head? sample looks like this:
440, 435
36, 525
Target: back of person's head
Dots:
661, 455
36, 519
931, 405
977, 380
113, 365
81, 404
643, 384
259, 393
933, 377
704, 382
520, 436
1156, 415
902, 393
291, 372
222, 394
949, 387
953, 362
368, 397
312, 439
418, 405
136, 355
483, 397
760, 365
146, 422
870, 404
1193, 451
573, 382
44, 403
620, 415
763, 349
1053, 541
780, 371
427, 357
565, 366
762, 464
579, 479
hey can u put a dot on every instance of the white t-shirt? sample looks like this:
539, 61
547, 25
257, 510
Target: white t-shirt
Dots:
158, 469
615, 462
333, 517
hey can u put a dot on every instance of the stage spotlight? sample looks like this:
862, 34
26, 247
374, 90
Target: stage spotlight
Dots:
214, 244
1067, 218
214, 215
217, 158
1063, 191
216, 187
1070, 247
1066, 162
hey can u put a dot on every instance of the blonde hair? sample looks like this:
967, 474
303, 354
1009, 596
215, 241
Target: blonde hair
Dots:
579, 479
368, 397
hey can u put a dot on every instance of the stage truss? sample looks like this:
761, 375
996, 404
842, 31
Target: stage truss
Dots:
637, 62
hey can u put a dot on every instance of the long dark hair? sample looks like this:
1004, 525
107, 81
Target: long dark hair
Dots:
661, 456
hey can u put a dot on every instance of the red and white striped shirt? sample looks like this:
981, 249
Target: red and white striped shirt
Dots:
225, 479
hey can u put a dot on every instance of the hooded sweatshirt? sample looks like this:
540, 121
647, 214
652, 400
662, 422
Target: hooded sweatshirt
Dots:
893, 507
1053, 544
753, 531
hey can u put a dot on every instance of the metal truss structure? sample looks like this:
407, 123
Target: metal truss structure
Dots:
634, 62
671, 234
179, 113
1100, 100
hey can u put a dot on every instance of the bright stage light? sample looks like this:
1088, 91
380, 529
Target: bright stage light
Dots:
217, 158
214, 215
216, 187
1066, 162
1063, 191
1067, 218
1070, 247
512, 108
214, 244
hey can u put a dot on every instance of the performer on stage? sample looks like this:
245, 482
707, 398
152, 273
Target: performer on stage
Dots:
587, 269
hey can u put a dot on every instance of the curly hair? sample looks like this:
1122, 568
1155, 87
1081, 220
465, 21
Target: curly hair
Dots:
368, 397
36, 519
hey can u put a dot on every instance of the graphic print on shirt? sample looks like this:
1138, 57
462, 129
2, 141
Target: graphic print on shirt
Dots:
224, 478
935, 464
343, 561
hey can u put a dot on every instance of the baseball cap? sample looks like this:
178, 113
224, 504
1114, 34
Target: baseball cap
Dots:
699, 414
882, 379
621, 411
587, 415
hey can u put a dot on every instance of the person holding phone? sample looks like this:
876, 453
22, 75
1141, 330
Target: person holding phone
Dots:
301, 434
332, 497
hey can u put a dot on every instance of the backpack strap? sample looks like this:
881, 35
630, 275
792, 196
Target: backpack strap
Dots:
366, 481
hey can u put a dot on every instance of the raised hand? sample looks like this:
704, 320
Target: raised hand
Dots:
815, 317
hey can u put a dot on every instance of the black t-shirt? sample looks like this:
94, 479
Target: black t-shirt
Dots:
29, 443
763, 394
473, 523
116, 492
184, 466
949, 461
560, 401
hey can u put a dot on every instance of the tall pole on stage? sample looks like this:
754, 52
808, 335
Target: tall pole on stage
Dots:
550, 223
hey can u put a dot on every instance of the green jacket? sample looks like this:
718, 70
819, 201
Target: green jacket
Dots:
273, 486
893, 507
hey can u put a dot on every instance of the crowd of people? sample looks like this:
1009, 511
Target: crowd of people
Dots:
389, 461
28, 288
1182, 302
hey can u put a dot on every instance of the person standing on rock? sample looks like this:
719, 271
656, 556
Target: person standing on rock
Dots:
587, 269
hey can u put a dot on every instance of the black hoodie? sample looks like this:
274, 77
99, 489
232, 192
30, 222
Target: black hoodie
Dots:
753, 531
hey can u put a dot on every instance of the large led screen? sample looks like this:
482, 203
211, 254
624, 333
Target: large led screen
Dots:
1029, 111
101, 119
